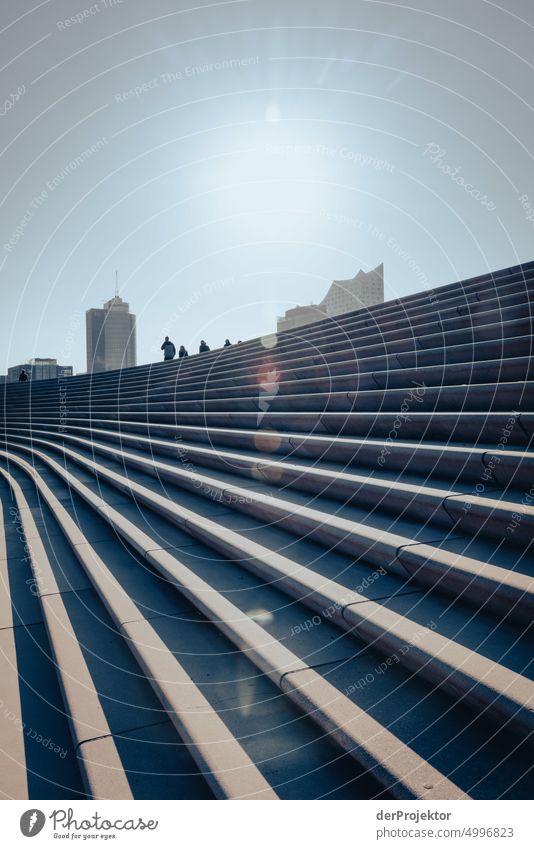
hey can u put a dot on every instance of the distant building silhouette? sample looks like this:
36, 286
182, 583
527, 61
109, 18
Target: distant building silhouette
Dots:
39, 368
363, 290
111, 336
297, 316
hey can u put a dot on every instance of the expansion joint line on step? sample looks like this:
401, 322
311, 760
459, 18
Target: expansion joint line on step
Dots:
455, 522
113, 734
486, 466
398, 559
142, 618
375, 380
24, 625
67, 591
291, 672
317, 666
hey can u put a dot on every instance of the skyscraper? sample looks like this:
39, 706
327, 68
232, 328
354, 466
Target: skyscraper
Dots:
111, 336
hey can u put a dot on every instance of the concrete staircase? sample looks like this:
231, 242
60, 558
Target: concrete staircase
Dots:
300, 567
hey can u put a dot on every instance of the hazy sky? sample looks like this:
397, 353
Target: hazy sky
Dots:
231, 158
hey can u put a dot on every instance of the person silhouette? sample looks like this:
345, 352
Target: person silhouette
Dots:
169, 351
23, 376
182, 352
203, 347
227, 343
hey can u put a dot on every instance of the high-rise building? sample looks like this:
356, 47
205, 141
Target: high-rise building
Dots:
111, 336
363, 290
39, 368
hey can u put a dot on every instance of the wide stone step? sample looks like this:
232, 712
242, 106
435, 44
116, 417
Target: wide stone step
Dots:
492, 430
517, 396
217, 753
163, 629
371, 669
369, 743
313, 640
504, 351
497, 468
505, 593
517, 369
482, 681
461, 508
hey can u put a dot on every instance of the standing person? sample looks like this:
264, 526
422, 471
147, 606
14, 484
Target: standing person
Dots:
203, 347
227, 343
23, 376
169, 351
182, 352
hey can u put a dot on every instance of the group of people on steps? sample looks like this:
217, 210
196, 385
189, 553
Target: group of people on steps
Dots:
169, 349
